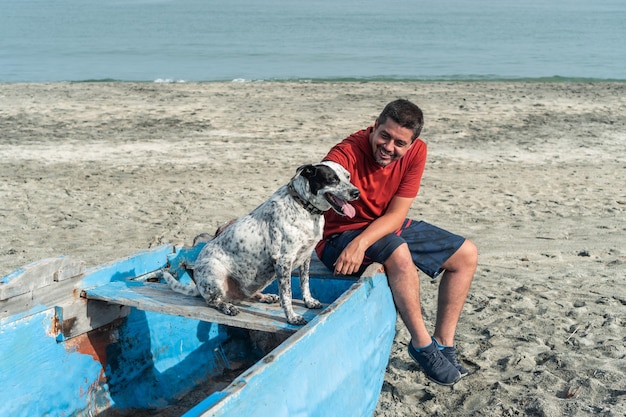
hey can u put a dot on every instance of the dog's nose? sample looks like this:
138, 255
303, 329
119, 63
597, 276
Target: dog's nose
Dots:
355, 193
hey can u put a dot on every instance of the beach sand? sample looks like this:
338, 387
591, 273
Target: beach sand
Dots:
533, 173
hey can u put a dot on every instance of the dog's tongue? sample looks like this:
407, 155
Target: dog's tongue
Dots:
347, 209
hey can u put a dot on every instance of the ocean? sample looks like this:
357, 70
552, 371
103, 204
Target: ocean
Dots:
316, 40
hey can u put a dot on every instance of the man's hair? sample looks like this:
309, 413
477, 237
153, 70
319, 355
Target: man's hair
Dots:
404, 113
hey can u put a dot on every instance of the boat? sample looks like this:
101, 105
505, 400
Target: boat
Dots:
113, 340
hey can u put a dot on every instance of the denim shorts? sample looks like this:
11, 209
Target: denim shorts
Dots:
430, 247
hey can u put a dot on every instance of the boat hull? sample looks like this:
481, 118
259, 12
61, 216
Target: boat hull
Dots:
146, 360
335, 366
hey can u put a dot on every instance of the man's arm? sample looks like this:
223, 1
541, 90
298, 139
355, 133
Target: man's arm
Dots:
352, 256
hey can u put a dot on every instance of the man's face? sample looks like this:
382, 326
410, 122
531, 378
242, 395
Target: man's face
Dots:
389, 142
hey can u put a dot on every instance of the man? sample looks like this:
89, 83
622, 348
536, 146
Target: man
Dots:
386, 162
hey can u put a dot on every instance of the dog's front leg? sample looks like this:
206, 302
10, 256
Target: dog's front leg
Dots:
283, 275
309, 301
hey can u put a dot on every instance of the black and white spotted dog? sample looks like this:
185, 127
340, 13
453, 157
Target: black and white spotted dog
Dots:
270, 242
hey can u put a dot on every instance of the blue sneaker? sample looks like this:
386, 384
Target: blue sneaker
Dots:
434, 364
450, 354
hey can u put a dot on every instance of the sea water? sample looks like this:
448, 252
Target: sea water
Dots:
211, 40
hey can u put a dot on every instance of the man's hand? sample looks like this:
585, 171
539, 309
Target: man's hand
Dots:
351, 258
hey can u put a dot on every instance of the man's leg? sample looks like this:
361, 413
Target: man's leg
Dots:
453, 289
404, 283
434, 250
405, 287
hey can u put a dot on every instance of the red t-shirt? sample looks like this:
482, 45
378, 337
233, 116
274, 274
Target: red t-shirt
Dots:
378, 185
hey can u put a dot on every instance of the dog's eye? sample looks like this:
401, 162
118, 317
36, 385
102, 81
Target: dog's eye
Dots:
331, 178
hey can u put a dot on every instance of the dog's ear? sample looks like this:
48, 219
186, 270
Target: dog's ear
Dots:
307, 171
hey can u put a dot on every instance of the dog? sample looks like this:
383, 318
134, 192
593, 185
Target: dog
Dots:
270, 242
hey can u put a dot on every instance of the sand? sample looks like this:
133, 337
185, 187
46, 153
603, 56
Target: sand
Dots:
533, 173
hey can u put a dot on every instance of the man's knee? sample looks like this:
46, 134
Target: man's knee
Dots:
400, 259
470, 251
465, 257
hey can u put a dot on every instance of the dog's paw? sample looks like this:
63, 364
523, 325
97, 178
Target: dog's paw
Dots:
312, 303
297, 320
268, 298
228, 309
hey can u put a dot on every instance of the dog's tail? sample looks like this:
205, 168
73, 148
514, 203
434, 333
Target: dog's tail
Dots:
179, 287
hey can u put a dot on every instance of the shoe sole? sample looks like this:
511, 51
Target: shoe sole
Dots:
443, 384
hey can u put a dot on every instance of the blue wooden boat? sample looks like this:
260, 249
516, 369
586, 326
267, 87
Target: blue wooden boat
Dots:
112, 340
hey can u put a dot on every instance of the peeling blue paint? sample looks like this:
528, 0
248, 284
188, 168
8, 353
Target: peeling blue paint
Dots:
33, 366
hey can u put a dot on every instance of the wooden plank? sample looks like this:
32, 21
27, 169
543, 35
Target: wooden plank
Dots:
160, 298
39, 275
79, 316
57, 283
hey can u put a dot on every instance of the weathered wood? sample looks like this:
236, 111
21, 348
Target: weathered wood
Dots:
161, 299
72, 314
39, 275
55, 284
78, 316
